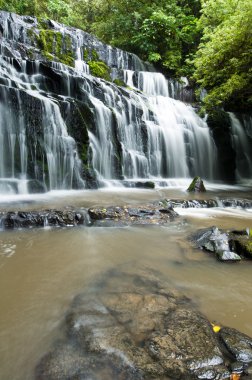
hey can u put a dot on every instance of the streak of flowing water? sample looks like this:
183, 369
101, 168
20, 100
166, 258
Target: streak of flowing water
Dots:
242, 148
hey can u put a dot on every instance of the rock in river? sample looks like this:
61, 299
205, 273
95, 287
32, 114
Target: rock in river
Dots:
134, 326
238, 344
216, 241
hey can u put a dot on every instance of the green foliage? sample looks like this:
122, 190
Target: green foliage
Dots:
119, 82
99, 69
162, 33
209, 40
223, 63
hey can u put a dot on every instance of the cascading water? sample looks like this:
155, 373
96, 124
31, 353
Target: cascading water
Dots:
141, 131
242, 148
159, 137
52, 145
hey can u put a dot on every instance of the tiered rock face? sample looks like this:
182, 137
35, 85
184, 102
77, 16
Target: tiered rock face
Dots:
76, 113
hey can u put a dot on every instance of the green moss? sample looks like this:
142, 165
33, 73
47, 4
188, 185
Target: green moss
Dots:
201, 112
32, 35
196, 185
85, 55
249, 247
54, 45
119, 82
94, 55
42, 23
99, 69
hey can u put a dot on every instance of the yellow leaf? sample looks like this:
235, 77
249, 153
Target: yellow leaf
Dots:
216, 328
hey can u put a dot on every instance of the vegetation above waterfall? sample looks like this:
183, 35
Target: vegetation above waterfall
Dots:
208, 40
223, 61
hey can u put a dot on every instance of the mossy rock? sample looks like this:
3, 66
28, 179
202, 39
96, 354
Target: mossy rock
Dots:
55, 46
99, 69
119, 82
197, 185
219, 119
242, 243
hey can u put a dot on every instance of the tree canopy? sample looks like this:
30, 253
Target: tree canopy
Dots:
208, 40
223, 61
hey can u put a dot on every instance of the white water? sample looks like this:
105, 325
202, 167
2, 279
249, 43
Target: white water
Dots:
159, 137
140, 132
60, 160
242, 148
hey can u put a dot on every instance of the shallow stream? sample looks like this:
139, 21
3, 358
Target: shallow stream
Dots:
41, 270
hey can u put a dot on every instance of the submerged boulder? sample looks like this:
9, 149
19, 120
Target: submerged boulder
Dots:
197, 185
131, 325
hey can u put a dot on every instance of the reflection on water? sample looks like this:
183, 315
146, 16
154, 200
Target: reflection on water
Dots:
42, 270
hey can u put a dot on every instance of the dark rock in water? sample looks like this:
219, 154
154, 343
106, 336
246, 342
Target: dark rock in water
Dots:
147, 214
134, 326
145, 185
238, 344
35, 186
28, 219
197, 185
216, 241
138, 184
241, 242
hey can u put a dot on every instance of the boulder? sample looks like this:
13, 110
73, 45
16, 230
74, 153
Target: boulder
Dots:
216, 241
241, 241
132, 325
197, 185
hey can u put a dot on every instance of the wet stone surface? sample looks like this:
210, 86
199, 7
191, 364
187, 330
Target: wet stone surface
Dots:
225, 245
147, 214
135, 326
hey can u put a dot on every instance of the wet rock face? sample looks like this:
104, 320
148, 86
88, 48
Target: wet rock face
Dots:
28, 219
220, 124
148, 214
133, 326
226, 245
239, 345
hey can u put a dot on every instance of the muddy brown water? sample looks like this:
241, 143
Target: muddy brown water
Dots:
41, 270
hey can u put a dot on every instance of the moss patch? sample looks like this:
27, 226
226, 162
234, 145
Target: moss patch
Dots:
99, 69
241, 242
119, 82
54, 44
196, 185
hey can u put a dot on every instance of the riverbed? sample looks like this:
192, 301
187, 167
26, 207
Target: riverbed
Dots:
42, 270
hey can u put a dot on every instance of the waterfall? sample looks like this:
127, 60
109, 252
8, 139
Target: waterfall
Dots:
159, 137
242, 148
51, 115
51, 150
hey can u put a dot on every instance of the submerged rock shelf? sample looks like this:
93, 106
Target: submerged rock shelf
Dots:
134, 326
